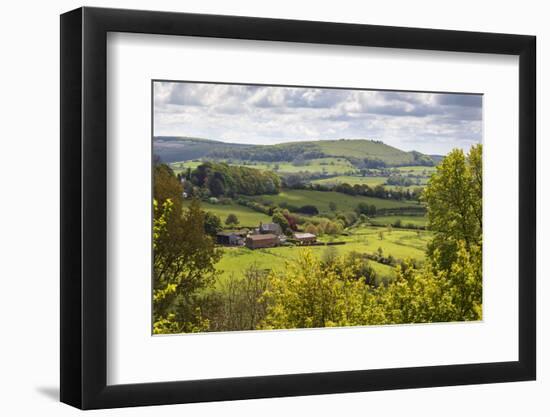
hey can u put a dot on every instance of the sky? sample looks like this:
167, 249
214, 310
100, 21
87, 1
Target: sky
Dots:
432, 123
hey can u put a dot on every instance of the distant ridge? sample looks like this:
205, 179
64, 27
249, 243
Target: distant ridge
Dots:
437, 158
179, 148
357, 151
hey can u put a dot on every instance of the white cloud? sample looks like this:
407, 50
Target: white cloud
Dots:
428, 122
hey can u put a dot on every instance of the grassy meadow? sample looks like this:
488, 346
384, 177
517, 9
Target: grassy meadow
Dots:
322, 200
330, 166
406, 221
247, 217
399, 243
371, 181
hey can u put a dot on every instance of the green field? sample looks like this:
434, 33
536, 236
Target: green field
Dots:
405, 220
352, 180
400, 244
415, 173
341, 168
365, 148
416, 170
321, 200
235, 260
179, 167
332, 166
247, 217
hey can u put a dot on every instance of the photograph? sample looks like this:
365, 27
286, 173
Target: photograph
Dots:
292, 207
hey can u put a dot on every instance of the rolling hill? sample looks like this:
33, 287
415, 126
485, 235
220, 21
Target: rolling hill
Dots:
359, 152
362, 148
179, 148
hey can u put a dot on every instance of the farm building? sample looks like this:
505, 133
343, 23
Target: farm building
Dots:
229, 238
267, 240
305, 238
270, 228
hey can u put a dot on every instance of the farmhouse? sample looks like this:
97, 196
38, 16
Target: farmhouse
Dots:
305, 238
267, 240
229, 238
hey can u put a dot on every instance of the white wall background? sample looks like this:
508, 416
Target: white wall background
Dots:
29, 209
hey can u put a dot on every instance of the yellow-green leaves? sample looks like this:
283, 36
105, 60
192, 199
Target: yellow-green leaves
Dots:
315, 294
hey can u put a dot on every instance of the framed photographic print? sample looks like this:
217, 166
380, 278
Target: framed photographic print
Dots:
258, 207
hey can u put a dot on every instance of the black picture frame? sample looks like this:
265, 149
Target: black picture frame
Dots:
84, 207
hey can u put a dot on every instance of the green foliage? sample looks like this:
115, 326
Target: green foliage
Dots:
366, 209
361, 268
322, 199
280, 219
160, 221
310, 228
247, 217
415, 297
343, 291
167, 186
166, 325
309, 294
212, 224
183, 258
232, 220
329, 255
348, 218
308, 209
399, 180
449, 287
239, 303
183, 265
332, 228
454, 200
271, 153
326, 166
223, 179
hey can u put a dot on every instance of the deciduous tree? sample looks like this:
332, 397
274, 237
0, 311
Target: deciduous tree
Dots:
232, 220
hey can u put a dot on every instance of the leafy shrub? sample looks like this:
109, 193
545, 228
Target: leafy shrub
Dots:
308, 209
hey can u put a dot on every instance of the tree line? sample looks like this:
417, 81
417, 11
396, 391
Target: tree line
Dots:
378, 191
274, 153
222, 179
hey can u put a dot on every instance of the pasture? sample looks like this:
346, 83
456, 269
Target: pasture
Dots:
400, 244
417, 170
365, 149
322, 199
330, 166
247, 217
352, 180
179, 167
405, 220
